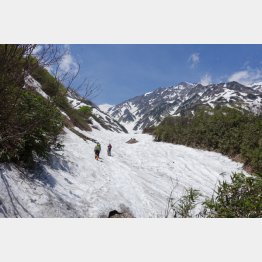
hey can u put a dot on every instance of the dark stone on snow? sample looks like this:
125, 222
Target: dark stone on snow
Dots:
132, 141
116, 214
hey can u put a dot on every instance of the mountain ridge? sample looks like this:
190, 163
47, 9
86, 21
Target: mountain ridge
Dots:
184, 98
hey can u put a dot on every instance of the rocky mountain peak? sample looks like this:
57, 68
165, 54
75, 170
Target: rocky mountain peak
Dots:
184, 98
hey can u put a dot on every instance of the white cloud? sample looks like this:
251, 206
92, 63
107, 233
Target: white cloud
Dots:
206, 80
247, 77
68, 63
194, 60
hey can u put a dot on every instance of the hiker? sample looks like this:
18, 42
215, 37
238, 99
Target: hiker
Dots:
109, 147
97, 150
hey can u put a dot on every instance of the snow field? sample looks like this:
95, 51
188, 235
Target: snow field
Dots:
138, 177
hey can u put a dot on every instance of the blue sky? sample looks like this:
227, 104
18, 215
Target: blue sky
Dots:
125, 71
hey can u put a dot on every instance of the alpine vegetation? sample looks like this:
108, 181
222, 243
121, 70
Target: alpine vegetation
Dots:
29, 123
239, 198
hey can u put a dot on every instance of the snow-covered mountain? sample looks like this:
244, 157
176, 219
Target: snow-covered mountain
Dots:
105, 107
150, 108
257, 86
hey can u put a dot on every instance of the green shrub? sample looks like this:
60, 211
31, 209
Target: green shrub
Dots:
50, 85
242, 197
239, 198
47, 124
185, 206
85, 111
32, 130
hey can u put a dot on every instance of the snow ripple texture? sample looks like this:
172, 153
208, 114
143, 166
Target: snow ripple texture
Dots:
137, 176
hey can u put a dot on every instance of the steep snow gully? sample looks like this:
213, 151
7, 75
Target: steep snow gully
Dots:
137, 177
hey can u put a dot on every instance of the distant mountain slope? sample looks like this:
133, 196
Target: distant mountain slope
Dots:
105, 107
99, 118
184, 98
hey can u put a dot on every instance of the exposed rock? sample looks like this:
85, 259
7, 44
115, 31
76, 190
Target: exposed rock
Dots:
132, 141
116, 214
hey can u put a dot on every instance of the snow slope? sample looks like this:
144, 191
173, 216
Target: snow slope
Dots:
105, 107
32, 83
137, 177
